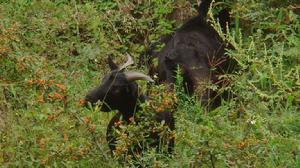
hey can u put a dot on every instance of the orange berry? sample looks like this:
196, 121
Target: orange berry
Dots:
93, 128
81, 102
87, 120
41, 82
50, 82
51, 117
58, 96
30, 82
61, 87
74, 158
66, 137
158, 110
40, 99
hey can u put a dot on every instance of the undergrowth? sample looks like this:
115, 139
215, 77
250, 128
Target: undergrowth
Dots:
53, 52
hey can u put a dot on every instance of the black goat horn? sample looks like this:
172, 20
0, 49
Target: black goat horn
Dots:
128, 62
132, 76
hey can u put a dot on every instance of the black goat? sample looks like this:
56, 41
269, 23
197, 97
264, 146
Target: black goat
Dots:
197, 49
118, 91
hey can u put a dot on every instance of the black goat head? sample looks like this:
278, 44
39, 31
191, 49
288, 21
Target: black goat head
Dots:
118, 90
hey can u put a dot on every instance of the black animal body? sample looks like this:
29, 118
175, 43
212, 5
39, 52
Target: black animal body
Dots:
197, 49
119, 91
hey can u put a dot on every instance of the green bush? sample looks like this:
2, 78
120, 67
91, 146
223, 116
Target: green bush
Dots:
53, 52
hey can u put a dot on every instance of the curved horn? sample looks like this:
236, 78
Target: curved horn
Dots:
132, 76
129, 62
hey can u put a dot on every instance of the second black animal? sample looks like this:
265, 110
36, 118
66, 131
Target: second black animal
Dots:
198, 50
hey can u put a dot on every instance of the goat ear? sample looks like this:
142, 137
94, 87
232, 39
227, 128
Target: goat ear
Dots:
132, 76
111, 63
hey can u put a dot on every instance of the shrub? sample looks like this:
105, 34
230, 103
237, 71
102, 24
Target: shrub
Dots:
51, 51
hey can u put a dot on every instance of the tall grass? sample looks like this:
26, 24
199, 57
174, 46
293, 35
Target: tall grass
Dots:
53, 52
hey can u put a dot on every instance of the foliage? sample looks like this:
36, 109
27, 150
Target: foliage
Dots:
53, 52
144, 127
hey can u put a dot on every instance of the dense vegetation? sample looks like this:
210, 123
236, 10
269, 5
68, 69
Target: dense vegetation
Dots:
53, 52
